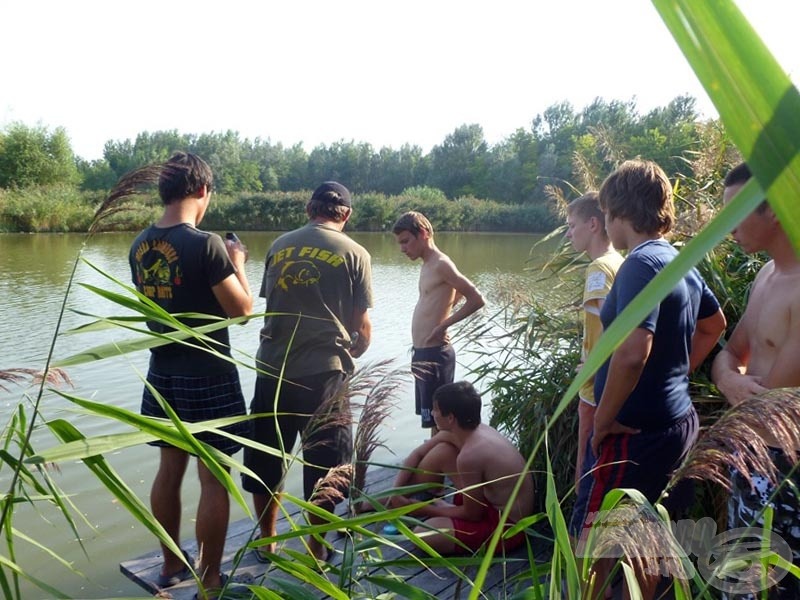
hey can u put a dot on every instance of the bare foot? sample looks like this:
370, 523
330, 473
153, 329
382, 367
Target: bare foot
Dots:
319, 550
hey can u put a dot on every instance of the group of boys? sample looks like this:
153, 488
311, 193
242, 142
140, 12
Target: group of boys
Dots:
318, 289
636, 419
643, 423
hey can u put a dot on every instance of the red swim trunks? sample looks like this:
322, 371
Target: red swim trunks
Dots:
474, 534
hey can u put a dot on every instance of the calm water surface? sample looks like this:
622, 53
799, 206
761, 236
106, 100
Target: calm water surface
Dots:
36, 270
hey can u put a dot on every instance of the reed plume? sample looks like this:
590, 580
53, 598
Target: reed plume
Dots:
735, 441
634, 533
378, 384
330, 490
130, 185
370, 393
55, 377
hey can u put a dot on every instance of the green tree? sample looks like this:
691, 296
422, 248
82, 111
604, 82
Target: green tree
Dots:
396, 170
96, 174
35, 156
512, 168
348, 162
459, 164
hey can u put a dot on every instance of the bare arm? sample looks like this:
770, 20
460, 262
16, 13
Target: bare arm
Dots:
473, 299
706, 335
728, 370
625, 368
363, 327
233, 292
470, 471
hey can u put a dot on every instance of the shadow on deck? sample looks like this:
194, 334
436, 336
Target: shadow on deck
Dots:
366, 577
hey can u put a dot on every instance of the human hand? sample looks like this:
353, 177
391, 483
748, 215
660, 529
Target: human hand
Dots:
437, 336
237, 251
603, 431
354, 348
398, 502
738, 387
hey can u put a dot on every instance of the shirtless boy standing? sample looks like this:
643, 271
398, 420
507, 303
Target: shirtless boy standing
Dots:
441, 287
763, 352
483, 465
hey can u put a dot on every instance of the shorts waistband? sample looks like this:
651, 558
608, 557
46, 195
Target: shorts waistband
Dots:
439, 347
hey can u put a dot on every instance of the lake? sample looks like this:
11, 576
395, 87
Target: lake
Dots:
36, 270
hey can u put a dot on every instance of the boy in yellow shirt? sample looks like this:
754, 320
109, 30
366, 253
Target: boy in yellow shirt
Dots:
586, 230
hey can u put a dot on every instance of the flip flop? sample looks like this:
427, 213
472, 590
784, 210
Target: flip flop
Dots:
165, 581
263, 559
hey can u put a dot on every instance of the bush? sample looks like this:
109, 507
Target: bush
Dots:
38, 209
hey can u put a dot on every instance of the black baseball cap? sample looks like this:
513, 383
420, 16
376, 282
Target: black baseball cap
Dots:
333, 193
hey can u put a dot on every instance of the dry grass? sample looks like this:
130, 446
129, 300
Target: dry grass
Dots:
734, 440
330, 490
128, 187
54, 377
377, 385
370, 393
635, 534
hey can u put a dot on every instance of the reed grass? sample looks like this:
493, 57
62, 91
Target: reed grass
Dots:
757, 102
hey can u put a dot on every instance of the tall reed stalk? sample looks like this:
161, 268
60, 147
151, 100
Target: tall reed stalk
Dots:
759, 107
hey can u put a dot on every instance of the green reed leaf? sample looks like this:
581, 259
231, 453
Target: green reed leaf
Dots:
119, 489
564, 567
152, 339
756, 100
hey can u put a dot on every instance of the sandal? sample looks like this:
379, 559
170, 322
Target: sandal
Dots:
260, 556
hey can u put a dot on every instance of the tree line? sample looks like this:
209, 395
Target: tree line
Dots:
563, 149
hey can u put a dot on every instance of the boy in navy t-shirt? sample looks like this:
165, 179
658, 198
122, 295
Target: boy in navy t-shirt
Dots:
645, 423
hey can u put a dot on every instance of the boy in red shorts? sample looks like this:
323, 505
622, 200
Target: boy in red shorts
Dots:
483, 465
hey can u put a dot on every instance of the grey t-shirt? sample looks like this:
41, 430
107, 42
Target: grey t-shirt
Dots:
314, 278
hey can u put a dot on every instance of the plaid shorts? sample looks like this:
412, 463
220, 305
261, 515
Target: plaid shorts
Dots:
196, 399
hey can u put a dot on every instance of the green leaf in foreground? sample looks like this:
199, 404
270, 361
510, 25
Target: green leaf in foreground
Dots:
755, 98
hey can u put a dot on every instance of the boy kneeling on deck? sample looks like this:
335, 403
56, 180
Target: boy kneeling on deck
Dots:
483, 465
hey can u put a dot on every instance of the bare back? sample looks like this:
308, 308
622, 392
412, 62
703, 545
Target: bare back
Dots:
499, 464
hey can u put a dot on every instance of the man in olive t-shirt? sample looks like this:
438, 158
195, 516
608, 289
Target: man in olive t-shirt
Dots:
318, 287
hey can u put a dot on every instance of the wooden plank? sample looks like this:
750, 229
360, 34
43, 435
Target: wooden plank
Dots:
144, 570
437, 581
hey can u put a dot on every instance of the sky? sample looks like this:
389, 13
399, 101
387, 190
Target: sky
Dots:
316, 72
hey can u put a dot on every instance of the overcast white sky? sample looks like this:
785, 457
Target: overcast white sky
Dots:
378, 71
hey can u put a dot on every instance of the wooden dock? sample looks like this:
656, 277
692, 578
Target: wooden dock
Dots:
367, 575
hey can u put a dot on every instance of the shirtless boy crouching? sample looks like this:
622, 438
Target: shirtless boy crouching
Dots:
484, 467
441, 287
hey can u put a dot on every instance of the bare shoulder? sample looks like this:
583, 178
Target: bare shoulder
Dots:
488, 444
442, 263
